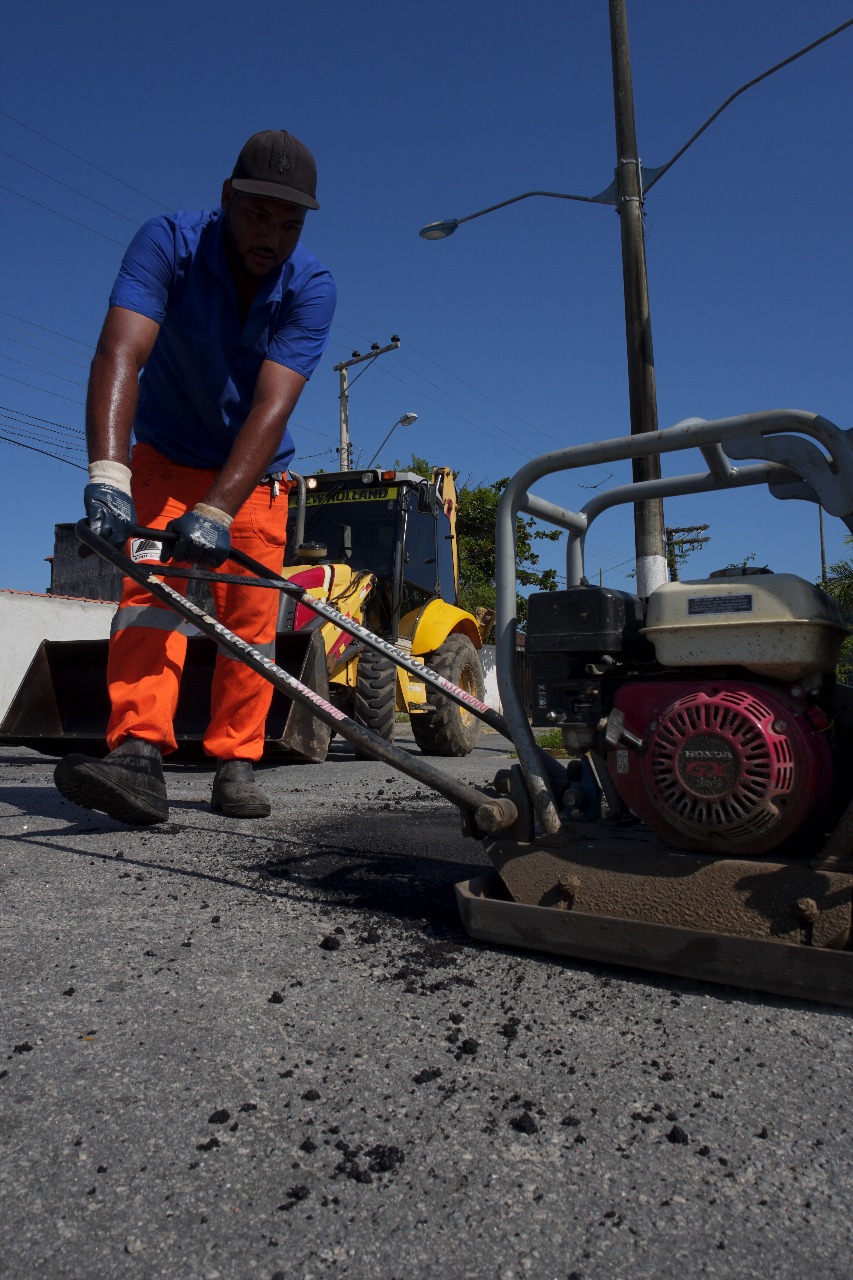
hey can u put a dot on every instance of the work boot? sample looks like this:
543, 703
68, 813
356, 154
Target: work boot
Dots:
128, 784
235, 792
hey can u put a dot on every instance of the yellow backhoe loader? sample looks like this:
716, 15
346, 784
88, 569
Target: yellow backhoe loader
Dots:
381, 547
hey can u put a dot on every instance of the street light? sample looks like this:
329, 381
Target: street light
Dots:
627, 194
405, 420
623, 194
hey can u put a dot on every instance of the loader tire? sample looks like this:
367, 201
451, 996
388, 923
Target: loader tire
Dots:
375, 692
448, 729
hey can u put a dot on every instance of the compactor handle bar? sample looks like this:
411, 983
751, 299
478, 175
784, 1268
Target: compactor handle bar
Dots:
485, 713
489, 813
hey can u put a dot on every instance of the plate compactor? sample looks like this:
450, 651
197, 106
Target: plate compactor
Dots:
701, 824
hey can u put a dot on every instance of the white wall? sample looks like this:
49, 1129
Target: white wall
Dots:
490, 672
26, 620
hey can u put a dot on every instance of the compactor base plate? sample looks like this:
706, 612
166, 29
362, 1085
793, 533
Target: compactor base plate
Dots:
757, 963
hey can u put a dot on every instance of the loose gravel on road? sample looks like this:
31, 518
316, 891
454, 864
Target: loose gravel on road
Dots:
267, 1049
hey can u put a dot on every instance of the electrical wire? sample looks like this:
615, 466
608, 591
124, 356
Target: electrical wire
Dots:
501, 430
102, 235
525, 422
451, 374
475, 425
418, 390
83, 364
84, 225
74, 381
384, 369
59, 183
67, 437
77, 448
44, 390
76, 156
33, 324
363, 371
44, 453
5, 408
44, 435
469, 385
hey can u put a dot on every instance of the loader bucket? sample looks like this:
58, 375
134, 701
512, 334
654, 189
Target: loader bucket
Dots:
62, 705
292, 730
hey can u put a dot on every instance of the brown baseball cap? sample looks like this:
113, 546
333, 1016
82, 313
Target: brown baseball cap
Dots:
278, 166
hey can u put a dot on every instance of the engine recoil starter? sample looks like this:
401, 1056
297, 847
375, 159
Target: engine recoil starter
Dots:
727, 767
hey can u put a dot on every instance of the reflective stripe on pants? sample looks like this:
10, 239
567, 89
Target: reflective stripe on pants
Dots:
148, 645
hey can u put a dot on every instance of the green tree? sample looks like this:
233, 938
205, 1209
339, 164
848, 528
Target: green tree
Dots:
839, 584
476, 520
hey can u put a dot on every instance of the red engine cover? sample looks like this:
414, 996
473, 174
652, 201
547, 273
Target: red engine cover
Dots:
729, 767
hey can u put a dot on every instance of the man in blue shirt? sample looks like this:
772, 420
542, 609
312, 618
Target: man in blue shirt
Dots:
225, 316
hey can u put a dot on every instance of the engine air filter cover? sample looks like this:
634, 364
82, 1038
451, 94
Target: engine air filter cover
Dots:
728, 767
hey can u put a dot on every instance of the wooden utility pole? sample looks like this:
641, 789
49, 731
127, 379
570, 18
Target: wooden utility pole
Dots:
642, 392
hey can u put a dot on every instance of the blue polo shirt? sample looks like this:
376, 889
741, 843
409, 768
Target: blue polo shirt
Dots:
197, 386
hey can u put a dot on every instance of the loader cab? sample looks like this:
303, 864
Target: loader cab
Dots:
393, 524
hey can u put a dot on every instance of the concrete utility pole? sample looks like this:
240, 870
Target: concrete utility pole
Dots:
648, 516
345, 447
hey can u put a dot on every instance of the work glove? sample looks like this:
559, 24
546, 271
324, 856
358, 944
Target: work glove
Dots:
203, 537
109, 506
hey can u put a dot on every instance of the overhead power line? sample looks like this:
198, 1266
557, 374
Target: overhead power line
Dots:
475, 425
507, 442
54, 355
456, 377
67, 187
70, 446
44, 453
34, 387
121, 244
33, 324
525, 422
74, 381
469, 407
70, 437
85, 226
83, 159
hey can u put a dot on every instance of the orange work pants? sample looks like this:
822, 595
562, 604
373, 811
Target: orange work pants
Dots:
149, 641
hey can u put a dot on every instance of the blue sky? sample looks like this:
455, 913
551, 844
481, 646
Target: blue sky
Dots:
512, 330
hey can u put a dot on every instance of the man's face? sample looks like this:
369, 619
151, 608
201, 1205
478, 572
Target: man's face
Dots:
262, 234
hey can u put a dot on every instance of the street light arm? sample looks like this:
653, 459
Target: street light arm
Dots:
551, 195
659, 172
405, 420
440, 230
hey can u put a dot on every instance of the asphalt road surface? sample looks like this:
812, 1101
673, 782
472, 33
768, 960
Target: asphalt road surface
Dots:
267, 1049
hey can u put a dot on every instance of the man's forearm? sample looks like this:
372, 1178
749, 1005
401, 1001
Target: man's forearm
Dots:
250, 458
276, 393
111, 406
